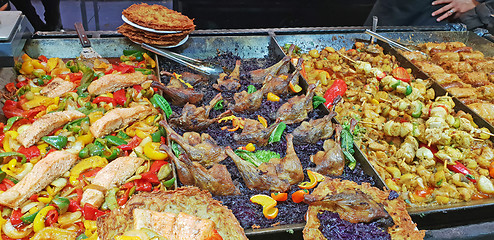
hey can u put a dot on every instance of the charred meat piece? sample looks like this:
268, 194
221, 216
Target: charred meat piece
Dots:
428, 67
48, 169
281, 67
476, 79
289, 167
254, 132
216, 180
114, 82
229, 82
245, 102
197, 118
254, 178
179, 96
296, 109
441, 57
207, 152
280, 84
331, 161
314, 130
189, 200
471, 55
457, 67
445, 78
462, 92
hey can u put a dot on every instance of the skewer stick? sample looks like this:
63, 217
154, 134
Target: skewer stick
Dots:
488, 133
371, 123
346, 57
478, 139
385, 100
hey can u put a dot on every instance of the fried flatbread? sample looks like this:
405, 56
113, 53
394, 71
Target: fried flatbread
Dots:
158, 17
189, 200
403, 228
142, 36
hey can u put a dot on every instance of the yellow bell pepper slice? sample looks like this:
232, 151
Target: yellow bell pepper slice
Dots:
149, 60
86, 139
268, 205
90, 226
85, 164
10, 135
40, 101
39, 220
151, 151
52, 63
94, 116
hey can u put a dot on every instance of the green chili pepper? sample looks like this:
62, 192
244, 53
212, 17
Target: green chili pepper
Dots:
169, 183
84, 153
86, 80
82, 236
114, 140
277, 133
123, 135
111, 199
2, 175
132, 191
145, 71
161, 102
156, 136
218, 105
82, 67
57, 142
14, 154
346, 140
10, 122
29, 218
62, 204
138, 56
128, 52
418, 109
408, 90
317, 100
251, 89
23, 90
72, 66
114, 153
396, 84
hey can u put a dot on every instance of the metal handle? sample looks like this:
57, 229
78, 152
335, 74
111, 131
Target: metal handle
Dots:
387, 40
374, 27
82, 35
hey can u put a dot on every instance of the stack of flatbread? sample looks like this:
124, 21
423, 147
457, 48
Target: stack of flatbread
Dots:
155, 24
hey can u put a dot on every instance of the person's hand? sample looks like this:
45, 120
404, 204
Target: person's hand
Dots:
453, 8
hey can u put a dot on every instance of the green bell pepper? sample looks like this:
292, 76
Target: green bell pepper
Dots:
10, 123
62, 204
277, 133
14, 154
317, 100
29, 218
123, 135
161, 102
57, 142
114, 140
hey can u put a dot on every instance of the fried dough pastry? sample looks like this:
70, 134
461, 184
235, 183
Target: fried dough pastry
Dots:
138, 35
158, 17
404, 228
189, 200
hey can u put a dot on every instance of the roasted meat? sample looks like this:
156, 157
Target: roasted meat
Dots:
58, 87
296, 109
229, 82
476, 79
114, 82
197, 118
254, 178
189, 200
314, 130
216, 179
358, 203
485, 110
178, 95
246, 102
254, 132
207, 152
331, 161
279, 84
281, 67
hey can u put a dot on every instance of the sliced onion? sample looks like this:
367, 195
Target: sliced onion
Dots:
27, 168
30, 205
69, 218
12, 232
136, 233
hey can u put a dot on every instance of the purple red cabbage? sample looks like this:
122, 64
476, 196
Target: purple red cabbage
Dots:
333, 227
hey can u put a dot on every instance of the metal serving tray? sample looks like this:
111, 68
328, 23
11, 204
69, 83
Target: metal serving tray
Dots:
430, 217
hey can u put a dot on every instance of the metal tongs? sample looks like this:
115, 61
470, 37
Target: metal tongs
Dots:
210, 69
390, 42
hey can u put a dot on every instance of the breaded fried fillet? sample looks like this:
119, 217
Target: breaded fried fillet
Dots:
403, 228
114, 82
57, 87
112, 175
157, 17
189, 200
120, 117
140, 36
43, 173
45, 125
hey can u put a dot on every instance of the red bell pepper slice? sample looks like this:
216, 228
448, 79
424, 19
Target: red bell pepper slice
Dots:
21, 83
423, 192
124, 68
128, 185
11, 109
105, 99
150, 177
31, 113
90, 212
30, 152
15, 217
143, 185
120, 97
51, 217
43, 58
138, 88
401, 74
34, 198
132, 144
74, 206
338, 88
75, 76
123, 199
10, 87
155, 167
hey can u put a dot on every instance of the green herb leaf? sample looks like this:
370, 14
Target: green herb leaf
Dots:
219, 105
317, 100
258, 157
277, 133
251, 89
